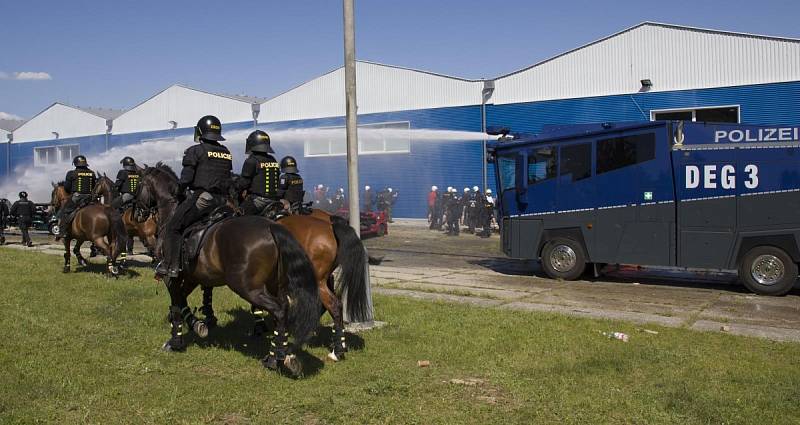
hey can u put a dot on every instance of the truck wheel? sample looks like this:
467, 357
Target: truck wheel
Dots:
768, 270
563, 258
53, 229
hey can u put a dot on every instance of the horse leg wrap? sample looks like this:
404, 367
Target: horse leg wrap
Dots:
260, 326
339, 345
194, 323
176, 342
279, 345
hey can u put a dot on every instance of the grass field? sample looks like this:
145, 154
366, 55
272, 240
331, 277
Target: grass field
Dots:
81, 348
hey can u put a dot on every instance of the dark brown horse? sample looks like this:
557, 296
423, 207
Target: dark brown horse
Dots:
329, 242
145, 230
100, 224
255, 257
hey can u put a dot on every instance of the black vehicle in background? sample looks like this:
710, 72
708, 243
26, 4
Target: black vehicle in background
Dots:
42, 219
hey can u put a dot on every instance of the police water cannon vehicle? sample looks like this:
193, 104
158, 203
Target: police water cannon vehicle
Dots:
663, 193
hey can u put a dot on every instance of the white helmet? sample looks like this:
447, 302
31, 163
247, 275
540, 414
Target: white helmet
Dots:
488, 190
449, 189
454, 190
466, 189
341, 190
475, 188
389, 189
434, 188
366, 187
319, 186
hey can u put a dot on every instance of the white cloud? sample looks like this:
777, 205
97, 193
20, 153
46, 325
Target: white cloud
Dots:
25, 75
7, 116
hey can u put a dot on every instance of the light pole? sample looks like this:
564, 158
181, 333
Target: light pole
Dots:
486, 94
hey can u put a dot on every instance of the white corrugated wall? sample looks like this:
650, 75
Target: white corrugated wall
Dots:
64, 120
381, 88
184, 106
672, 58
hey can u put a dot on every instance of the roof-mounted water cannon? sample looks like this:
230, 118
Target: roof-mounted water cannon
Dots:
498, 130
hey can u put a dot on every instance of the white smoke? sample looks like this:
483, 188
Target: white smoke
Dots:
37, 180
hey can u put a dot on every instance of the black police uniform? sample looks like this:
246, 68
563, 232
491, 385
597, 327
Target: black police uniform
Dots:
290, 188
125, 185
24, 210
471, 213
79, 184
260, 177
453, 214
207, 174
3, 219
369, 200
486, 214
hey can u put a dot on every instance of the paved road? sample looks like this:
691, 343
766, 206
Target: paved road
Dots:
426, 264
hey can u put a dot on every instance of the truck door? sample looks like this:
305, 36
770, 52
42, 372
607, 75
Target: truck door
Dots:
706, 206
576, 192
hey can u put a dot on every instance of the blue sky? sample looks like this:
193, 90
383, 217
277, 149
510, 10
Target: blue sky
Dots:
118, 53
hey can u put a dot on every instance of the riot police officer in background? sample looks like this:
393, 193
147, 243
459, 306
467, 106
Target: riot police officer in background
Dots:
260, 176
126, 183
338, 201
453, 212
486, 214
290, 186
369, 198
4, 213
79, 184
23, 210
206, 175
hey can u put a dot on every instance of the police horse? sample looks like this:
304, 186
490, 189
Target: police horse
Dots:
145, 228
94, 223
255, 257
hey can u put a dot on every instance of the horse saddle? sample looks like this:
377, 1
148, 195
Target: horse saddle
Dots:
79, 205
194, 235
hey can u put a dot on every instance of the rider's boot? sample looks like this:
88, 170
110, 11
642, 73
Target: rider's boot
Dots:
168, 267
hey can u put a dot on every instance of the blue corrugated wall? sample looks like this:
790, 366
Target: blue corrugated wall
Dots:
458, 163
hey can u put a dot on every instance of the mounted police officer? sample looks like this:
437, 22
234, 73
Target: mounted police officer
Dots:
290, 186
126, 183
260, 176
79, 184
204, 182
23, 210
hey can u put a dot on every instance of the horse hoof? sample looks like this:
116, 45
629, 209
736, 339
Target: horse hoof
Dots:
332, 355
292, 365
270, 362
114, 271
173, 347
66, 269
82, 262
200, 329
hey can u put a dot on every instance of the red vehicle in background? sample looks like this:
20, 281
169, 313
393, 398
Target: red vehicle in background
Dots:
373, 223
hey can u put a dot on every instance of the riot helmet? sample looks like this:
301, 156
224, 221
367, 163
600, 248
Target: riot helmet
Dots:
208, 128
23, 195
475, 188
366, 187
289, 165
434, 188
80, 161
389, 190
258, 141
489, 191
466, 189
128, 164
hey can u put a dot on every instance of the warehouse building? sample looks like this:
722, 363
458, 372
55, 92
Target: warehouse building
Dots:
421, 128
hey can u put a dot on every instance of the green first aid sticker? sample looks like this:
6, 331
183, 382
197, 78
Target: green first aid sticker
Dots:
648, 196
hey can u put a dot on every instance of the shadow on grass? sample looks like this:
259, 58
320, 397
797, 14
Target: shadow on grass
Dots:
237, 335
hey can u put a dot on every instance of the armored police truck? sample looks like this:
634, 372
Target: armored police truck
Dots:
664, 193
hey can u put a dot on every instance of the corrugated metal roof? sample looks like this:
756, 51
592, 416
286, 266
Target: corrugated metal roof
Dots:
106, 113
673, 57
11, 125
381, 88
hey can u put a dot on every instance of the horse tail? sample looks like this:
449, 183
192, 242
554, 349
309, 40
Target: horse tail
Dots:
351, 257
118, 232
305, 304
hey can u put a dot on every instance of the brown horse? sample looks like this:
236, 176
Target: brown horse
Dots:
330, 243
145, 230
100, 224
255, 257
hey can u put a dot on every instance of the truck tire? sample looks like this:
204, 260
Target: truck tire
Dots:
768, 270
563, 258
53, 228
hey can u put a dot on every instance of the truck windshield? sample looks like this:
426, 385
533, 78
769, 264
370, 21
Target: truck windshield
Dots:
507, 169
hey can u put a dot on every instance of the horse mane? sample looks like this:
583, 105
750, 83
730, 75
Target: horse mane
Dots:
160, 165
